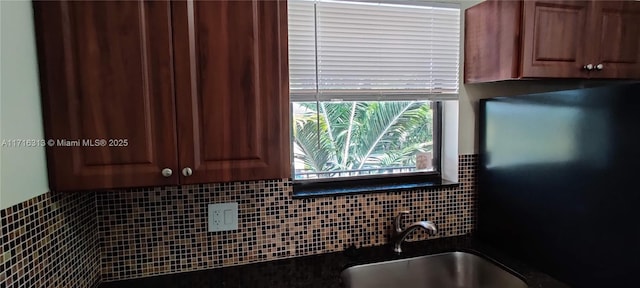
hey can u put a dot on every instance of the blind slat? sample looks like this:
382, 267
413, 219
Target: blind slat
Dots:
369, 49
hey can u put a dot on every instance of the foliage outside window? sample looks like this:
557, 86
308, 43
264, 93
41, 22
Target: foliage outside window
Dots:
365, 82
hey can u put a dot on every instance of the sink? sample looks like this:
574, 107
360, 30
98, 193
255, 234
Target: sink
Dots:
445, 270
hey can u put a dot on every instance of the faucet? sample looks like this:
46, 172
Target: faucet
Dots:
400, 234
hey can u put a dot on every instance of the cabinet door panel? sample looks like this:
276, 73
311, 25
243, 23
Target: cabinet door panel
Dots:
106, 74
232, 89
554, 43
617, 39
492, 41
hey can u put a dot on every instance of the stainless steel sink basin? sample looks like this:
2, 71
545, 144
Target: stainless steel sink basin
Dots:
446, 270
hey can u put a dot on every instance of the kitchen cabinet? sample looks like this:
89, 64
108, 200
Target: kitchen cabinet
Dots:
232, 86
163, 93
617, 45
552, 39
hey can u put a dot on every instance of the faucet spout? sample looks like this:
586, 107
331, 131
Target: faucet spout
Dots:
425, 225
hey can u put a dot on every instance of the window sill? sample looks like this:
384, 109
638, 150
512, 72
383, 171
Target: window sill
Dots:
350, 187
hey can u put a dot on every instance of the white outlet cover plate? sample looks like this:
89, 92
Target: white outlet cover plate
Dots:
223, 217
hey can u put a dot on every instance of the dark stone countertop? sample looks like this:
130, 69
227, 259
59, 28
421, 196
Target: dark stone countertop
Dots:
324, 270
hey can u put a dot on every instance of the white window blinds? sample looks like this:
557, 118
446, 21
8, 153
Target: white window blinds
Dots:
356, 50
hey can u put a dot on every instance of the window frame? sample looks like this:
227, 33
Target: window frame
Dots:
332, 186
377, 182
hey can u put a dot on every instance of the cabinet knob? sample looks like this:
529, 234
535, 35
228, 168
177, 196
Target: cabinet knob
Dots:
588, 67
187, 171
166, 172
599, 67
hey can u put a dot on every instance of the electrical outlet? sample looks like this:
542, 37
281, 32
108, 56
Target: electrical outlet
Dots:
223, 217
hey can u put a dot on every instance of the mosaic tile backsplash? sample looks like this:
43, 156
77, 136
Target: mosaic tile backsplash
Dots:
49, 241
81, 239
144, 232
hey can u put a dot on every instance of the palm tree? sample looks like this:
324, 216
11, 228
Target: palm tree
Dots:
342, 136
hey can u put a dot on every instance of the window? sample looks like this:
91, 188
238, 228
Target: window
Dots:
366, 81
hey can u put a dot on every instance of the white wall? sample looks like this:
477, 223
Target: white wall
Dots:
23, 172
465, 109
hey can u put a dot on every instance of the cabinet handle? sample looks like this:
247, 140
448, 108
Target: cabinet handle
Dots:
166, 172
599, 67
588, 67
187, 171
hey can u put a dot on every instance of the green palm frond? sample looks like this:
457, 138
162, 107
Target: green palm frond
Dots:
355, 135
380, 118
309, 146
398, 158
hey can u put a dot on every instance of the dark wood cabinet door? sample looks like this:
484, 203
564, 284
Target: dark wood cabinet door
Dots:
492, 41
232, 89
617, 38
554, 39
107, 83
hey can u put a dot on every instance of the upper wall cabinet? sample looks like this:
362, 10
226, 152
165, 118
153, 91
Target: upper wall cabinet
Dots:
106, 72
151, 93
617, 31
552, 39
232, 89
